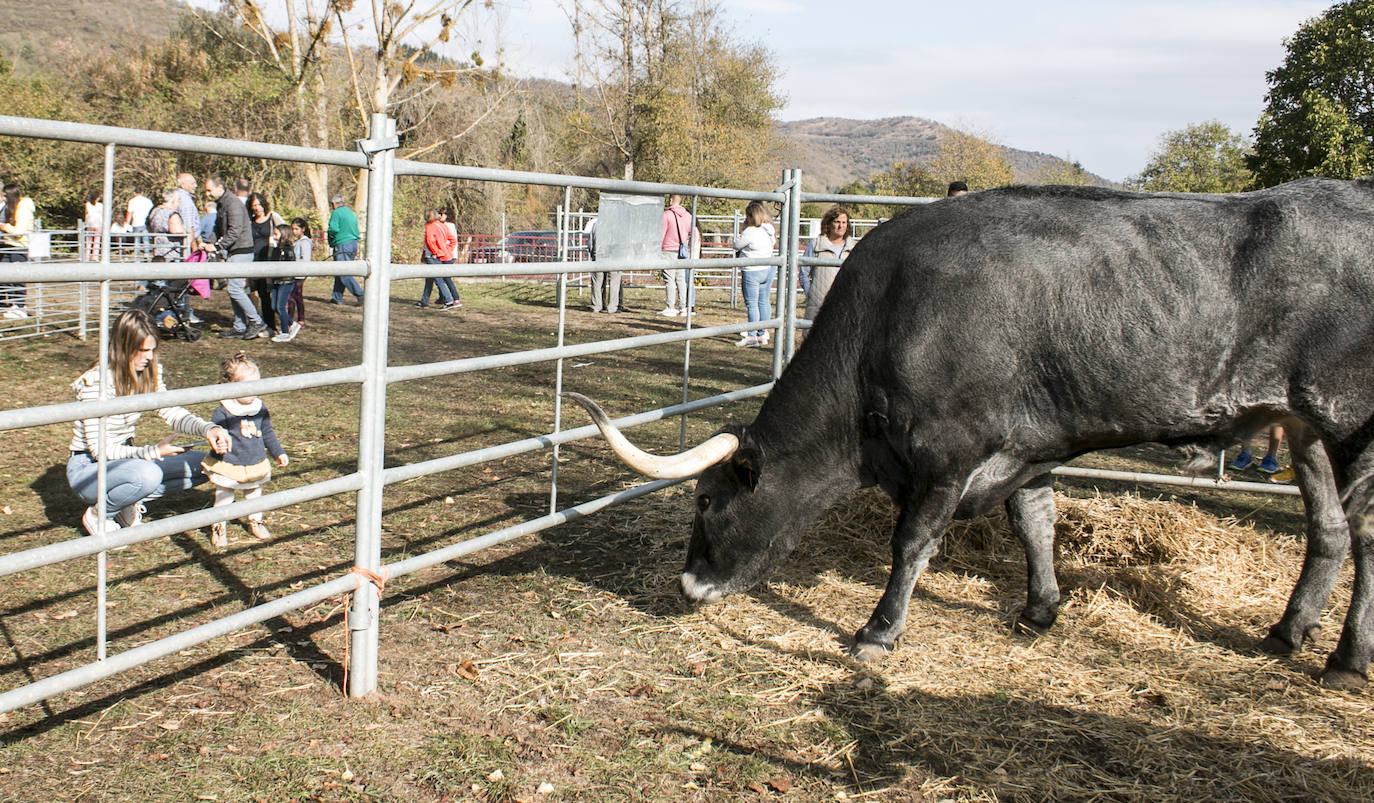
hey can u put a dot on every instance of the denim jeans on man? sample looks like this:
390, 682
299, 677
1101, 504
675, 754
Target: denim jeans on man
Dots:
756, 285
245, 314
133, 479
346, 252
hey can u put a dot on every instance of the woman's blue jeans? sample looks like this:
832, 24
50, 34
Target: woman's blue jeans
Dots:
448, 293
756, 286
133, 479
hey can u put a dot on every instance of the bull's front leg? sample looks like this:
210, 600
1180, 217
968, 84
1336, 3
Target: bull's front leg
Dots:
920, 528
1328, 540
1030, 512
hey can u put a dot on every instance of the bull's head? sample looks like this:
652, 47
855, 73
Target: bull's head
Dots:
742, 525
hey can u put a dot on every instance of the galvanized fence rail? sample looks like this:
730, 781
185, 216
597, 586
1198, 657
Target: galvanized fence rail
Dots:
374, 373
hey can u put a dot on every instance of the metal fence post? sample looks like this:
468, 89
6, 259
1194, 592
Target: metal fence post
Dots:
790, 246
363, 624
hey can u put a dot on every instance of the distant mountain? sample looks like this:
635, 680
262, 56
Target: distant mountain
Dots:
833, 151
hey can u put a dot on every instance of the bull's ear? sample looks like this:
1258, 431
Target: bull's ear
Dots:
747, 461
746, 468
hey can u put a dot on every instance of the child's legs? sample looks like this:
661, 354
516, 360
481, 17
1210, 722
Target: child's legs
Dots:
253, 493
298, 302
281, 298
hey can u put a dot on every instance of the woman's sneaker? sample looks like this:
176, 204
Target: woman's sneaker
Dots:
747, 340
131, 515
1243, 461
296, 328
91, 521
1269, 465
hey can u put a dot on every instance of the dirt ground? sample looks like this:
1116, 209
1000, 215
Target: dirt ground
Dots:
562, 666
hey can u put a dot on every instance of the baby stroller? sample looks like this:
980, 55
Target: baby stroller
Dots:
166, 302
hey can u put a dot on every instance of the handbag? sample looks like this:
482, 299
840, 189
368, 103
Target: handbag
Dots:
684, 247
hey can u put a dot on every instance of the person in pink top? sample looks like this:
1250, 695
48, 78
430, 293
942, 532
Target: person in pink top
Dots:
677, 244
439, 244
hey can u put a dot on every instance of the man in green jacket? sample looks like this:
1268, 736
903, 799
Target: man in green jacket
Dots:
343, 241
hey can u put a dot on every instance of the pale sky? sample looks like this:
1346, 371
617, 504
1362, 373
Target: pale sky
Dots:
1097, 81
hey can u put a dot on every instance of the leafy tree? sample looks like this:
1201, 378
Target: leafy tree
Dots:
1319, 114
667, 93
1066, 171
52, 173
1203, 157
978, 162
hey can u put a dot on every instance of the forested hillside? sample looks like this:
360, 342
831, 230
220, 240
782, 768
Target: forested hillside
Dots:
835, 151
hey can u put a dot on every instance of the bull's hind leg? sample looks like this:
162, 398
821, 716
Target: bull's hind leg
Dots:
1030, 511
1347, 667
1328, 540
920, 528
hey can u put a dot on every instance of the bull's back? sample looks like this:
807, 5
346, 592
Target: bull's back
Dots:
1090, 317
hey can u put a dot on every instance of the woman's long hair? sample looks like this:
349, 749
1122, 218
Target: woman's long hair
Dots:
755, 214
11, 202
127, 336
262, 199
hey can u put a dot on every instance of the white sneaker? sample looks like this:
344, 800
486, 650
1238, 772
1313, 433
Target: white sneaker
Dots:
747, 340
295, 329
15, 313
282, 337
668, 312
762, 339
130, 516
91, 521
682, 313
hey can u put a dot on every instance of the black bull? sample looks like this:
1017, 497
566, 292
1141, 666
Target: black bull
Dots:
971, 345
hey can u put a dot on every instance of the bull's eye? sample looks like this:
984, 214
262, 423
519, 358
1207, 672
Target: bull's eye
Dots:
703, 502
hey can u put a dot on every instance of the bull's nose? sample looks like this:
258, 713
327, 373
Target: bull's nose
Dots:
697, 591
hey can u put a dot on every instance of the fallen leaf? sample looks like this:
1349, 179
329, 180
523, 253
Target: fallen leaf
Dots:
496, 775
545, 788
780, 784
171, 726
467, 669
6, 510
64, 615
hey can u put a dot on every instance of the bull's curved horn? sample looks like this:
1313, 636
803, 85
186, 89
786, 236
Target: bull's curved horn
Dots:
672, 467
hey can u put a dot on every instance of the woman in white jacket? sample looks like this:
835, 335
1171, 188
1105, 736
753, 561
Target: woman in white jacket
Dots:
757, 239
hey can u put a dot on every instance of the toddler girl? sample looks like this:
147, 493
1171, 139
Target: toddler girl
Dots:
244, 467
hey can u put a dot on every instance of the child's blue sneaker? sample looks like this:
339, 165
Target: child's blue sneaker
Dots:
1269, 465
1243, 460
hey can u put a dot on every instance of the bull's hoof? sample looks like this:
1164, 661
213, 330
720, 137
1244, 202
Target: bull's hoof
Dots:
869, 652
1274, 645
1027, 626
1342, 679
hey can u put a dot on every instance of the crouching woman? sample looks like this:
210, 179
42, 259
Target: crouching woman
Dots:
133, 473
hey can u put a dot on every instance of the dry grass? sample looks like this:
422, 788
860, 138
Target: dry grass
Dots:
566, 659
